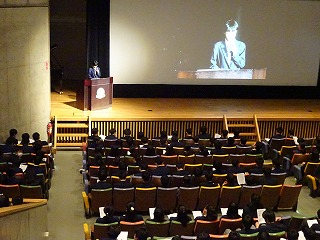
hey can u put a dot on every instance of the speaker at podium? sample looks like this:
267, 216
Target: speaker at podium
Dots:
95, 94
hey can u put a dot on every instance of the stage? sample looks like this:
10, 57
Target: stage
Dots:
64, 106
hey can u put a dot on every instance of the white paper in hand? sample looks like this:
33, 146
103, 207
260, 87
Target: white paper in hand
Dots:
123, 235
196, 214
259, 214
241, 179
151, 213
102, 214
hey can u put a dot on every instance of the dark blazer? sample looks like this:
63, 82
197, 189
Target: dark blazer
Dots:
123, 184
161, 171
101, 185
107, 220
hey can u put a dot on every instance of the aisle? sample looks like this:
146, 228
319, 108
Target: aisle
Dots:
65, 206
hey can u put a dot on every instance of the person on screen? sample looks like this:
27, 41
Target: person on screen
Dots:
94, 70
229, 53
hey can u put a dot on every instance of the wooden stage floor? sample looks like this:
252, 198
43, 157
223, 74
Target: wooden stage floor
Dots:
181, 108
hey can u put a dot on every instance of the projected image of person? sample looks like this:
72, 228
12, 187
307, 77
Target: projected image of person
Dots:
229, 53
94, 70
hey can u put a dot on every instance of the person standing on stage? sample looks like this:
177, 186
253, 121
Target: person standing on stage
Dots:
229, 54
94, 70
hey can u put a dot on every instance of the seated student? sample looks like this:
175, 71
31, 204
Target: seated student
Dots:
36, 138
31, 179
165, 181
268, 179
180, 170
218, 168
258, 148
25, 143
113, 233
209, 182
263, 235
224, 134
290, 133
235, 167
187, 181
123, 182
144, 142
279, 133
146, 177
13, 136
233, 235
243, 142
182, 216
293, 234
253, 205
10, 179
158, 215
271, 225
258, 169
188, 134
170, 151
232, 212
209, 213
203, 133
150, 151
102, 183
94, 140
236, 133
175, 142
230, 142
277, 167
201, 236
231, 181
187, 151
203, 151
161, 169
109, 217
112, 135
217, 148
131, 215
248, 225
141, 234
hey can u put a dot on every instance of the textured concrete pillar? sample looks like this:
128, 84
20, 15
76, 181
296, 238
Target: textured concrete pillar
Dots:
24, 68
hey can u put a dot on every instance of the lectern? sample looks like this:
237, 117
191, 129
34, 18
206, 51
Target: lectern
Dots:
95, 94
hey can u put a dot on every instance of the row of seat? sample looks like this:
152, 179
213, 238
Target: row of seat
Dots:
157, 230
277, 197
25, 191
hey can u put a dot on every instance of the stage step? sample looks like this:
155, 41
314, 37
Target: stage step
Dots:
248, 127
71, 132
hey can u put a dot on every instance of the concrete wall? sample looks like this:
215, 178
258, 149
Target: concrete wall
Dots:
24, 67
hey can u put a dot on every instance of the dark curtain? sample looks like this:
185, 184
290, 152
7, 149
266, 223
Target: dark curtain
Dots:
98, 43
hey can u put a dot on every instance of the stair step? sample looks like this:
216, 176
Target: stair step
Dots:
72, 125
72, 135
248, 134
241, 125
69, 145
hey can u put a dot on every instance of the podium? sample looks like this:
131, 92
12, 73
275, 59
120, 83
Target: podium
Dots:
96, 94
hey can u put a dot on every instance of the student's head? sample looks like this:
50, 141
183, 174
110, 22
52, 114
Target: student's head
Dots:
217, 144
94, 131
243, 140
209, 176
230, 178
112, 131
187, 179
150, 151
230, 141
247, 221
122, 174
203, 236
263, 236
36, 136
232, 209
203, 129
144, 140
130, 208
13, 132
269, 216
225, 133
165, 181
141, 234
266, 172
94, 63
158, 214
255, 201
236, 133
259, 162
292, 234
102, 175
127, 132
25, 138
279, 130
233, 235
109, 211
163, 134
235, 162
231, 29
189, 131
290, 132
145, 176
113, 232
259, 145
211, 213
